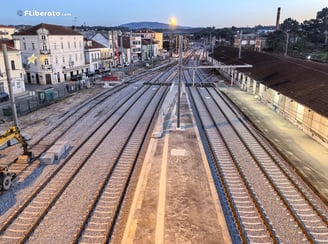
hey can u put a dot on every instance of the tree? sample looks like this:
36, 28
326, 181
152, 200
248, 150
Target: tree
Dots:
276, 41
290, 25
311, 31
322, 18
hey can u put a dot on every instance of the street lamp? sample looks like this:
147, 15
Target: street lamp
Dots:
172, 24
180, 74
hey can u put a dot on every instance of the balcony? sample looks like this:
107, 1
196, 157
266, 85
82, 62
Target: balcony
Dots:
46, 66
45, 51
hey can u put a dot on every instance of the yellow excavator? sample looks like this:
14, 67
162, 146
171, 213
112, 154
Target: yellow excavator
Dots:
6, 177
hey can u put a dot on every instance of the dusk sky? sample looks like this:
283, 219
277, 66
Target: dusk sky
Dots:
192, 13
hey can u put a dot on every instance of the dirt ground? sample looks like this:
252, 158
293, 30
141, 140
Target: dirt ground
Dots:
34, 122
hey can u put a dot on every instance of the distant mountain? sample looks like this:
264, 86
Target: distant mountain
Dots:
150, 25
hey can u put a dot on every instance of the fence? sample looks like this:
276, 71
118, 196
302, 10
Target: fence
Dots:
43, 97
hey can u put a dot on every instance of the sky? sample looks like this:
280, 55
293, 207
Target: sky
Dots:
191, 13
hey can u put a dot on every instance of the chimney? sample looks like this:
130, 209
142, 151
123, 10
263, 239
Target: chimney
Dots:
278, 19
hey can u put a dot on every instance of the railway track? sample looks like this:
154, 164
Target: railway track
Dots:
56, 131
100, 113
84, 159
266, 200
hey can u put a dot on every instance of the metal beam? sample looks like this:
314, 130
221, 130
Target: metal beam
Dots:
215, 67
219, 66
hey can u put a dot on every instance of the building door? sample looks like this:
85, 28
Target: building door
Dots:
58, 77
48, 78
28, 76
37, 78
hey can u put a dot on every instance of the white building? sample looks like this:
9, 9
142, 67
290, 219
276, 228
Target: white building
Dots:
110, 40
97, 56
51, 53
17, 71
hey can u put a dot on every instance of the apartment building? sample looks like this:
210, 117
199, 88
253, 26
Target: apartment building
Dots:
6, 32
51, 53
109, 40
97, 56
151, 44
17, 71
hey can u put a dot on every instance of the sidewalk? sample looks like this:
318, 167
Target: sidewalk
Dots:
306, 155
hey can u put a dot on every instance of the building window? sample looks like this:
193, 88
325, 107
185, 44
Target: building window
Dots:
33, 46
63, 59
55, 46
43, 37
44, 46
69, 45
24, 45
62, 45
13, 65
56, 60
74, 44
46, 61
18, 84
75, 57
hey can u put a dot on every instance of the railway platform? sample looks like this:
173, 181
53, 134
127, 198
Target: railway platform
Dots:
306, 155
175, 200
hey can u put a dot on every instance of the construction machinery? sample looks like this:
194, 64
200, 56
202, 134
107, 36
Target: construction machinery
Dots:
6, 178
13, 132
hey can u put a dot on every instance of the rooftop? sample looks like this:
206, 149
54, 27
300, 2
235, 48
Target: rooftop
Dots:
53, 30
304, 81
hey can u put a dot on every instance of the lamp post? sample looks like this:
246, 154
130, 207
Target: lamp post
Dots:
12, 98
179, 85
172, 24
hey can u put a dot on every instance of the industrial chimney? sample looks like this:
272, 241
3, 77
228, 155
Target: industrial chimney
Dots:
278, 19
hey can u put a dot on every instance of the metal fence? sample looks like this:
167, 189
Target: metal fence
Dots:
41, 96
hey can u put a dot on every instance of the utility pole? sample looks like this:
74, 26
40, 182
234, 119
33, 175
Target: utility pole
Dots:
240, 43
120, 33
286, 47
151, 51
12, 98
113, 48
179, 85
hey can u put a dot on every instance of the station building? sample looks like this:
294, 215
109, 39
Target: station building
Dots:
297, 89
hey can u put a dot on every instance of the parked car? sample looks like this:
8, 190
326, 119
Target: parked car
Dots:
4, 96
